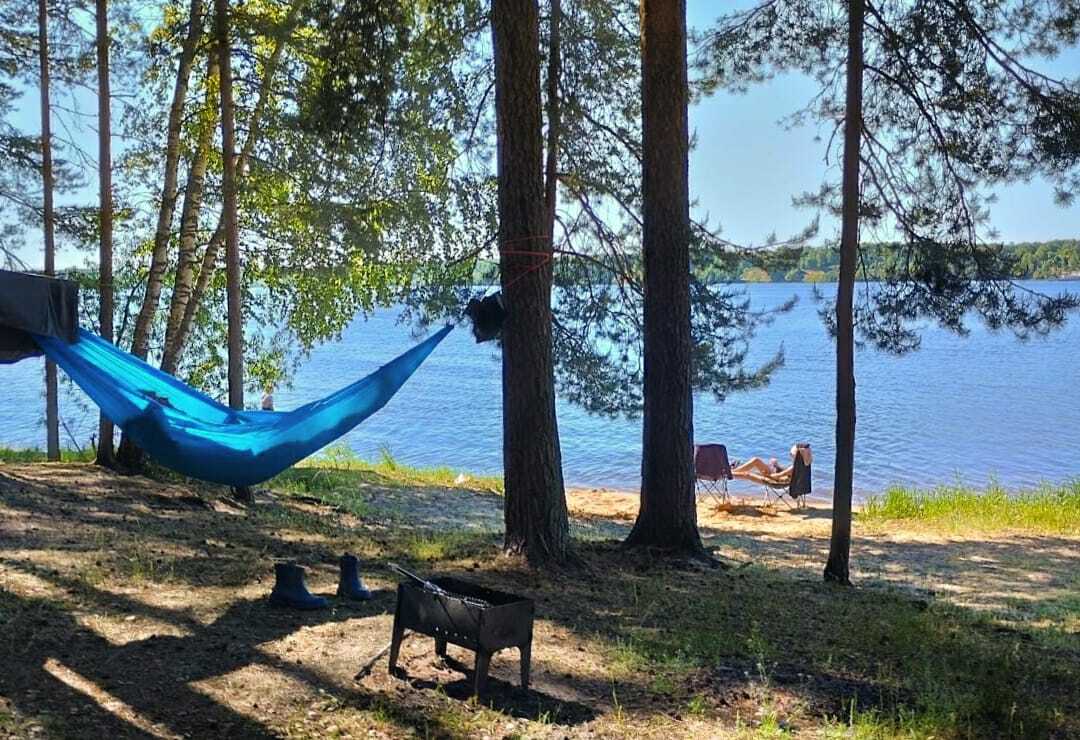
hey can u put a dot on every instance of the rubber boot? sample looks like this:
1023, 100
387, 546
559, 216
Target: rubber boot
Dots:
289, 589
350, 586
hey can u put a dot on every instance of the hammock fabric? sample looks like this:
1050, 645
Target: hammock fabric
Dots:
191, 433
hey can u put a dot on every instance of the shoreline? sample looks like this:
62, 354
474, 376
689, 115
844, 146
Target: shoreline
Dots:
742, 492
617, 497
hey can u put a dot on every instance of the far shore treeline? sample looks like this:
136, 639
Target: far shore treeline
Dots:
1057, 259
1050, 260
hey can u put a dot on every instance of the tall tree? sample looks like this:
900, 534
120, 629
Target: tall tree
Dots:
554, 118
232, 235
190, 286
836, 568
228, 193
52, 412
187, 258
668, 514
140, 341
128, 454
105, 453
535, 501
949, 106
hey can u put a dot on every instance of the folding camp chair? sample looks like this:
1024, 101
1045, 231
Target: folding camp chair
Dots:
797, 489
712, 471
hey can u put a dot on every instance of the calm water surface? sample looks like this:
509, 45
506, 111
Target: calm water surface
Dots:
974, 409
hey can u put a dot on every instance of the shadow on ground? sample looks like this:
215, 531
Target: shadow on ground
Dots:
137, 608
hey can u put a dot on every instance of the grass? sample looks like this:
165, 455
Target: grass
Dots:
757, 651
9, 455
1047, 510
339, 467
888, 665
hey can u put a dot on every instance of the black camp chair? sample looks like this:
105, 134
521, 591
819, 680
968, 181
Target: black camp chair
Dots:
797, 489
712, 471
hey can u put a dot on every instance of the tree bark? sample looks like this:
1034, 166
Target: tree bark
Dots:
551, 165
140, 341
836, 569
187, 254
535, 501
228, 193
668, 514
105, 454
232, 237
186, 304
129, 455
52, 411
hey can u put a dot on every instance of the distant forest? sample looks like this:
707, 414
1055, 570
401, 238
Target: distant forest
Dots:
1050, 260
1037, 260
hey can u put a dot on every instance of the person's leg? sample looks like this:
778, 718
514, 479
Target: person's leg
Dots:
754, 465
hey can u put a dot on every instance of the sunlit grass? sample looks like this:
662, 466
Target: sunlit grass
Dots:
436, 546
1048, 509
9, 455
900, 668
338, 464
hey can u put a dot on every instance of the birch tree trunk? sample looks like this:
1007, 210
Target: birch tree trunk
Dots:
159, 257
187, 254
185, 304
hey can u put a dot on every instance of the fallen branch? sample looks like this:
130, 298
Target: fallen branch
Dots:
366, 666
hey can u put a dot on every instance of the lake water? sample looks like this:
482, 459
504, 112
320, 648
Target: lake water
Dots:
973, 409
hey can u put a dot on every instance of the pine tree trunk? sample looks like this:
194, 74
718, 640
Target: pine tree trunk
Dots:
105, 454
554, 113
668, 514
228, 193
140, 341
52, 411
535, 501
836, 569
187, 254
232, 236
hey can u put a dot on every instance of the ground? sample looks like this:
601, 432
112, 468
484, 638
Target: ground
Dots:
132, 607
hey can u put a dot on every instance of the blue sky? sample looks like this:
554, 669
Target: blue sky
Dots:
746, 167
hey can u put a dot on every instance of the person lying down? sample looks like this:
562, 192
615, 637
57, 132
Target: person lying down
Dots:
770, 473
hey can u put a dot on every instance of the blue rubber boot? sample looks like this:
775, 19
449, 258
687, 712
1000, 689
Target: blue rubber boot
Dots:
350, 585
289, 589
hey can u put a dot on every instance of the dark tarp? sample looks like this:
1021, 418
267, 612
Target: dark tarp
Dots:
35, 304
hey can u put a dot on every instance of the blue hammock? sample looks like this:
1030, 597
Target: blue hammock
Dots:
193, 434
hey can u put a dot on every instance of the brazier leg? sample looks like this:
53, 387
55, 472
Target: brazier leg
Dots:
440, 647
483, 660
395, 644
526, 661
